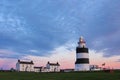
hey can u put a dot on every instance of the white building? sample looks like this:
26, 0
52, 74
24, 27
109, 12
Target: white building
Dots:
40, 69
25, 66
67, 70
53, 67
37, 69
95, 68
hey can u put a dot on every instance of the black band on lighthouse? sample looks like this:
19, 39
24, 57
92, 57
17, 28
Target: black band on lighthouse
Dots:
81, 50
82, 61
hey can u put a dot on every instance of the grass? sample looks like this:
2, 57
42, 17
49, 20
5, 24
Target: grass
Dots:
60, 76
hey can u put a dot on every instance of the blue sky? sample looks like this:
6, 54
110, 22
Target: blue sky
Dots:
37, 27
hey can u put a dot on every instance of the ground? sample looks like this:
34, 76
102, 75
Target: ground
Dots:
60, 76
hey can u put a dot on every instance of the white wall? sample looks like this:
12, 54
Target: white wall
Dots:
53, 68
82, 67
24, 67
36, 69
82, 55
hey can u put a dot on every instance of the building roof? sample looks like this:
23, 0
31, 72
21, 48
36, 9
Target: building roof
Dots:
54, 64
38, 67
25, 62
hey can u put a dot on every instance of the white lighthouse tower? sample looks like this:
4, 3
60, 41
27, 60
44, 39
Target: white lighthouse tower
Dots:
82, 56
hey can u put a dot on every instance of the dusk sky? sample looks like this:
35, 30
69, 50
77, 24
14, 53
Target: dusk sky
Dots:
48, 30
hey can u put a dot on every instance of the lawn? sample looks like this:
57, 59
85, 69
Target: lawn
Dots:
60, 76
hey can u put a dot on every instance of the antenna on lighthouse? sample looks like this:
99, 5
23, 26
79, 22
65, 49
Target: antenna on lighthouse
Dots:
81, 42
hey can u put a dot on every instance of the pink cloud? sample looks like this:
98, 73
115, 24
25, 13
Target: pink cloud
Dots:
97, 58
65, 57
4, 51
7, 63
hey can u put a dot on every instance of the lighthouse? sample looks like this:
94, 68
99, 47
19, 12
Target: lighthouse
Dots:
82, 56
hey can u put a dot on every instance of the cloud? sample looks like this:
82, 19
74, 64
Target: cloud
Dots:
9, 54
67, 57
34, 51
7, 63
11, 25
42, 27
64, 54
99, 58
6, 52
118, 60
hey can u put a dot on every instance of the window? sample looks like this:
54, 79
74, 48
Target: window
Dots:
23, 65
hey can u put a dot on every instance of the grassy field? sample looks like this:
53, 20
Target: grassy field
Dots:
60, 76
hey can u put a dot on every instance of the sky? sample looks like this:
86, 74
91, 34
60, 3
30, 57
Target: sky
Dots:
48, 30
